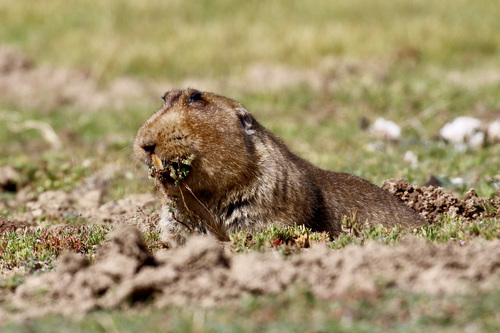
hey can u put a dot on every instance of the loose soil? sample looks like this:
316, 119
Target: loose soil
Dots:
432, 202
203, 272
206, 272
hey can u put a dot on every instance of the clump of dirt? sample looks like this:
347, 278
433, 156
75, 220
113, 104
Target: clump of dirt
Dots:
431, 202
7, 225
203, 272
12, 60
9, 178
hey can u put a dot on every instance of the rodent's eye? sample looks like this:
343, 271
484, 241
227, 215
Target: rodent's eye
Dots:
164, 97
195, 97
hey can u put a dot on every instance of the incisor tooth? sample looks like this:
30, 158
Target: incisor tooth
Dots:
156, 162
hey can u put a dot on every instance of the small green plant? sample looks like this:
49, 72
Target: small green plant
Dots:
285, 240
288, 240
71, 218
151, 239
37, 248
450, 229
52, 172
12, 282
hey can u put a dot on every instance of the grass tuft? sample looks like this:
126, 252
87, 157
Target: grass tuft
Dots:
36, 249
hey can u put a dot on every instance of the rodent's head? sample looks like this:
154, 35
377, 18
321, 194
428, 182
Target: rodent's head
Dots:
213, 131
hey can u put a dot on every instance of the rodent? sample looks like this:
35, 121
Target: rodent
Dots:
240, 176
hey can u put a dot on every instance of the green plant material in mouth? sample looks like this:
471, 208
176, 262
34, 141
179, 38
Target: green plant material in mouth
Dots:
177, 168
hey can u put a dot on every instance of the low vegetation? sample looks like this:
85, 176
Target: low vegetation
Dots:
312, 73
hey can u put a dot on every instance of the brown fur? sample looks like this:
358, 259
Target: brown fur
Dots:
244, 178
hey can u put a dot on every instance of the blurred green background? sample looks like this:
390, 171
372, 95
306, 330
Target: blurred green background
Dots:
78, 78
309, 71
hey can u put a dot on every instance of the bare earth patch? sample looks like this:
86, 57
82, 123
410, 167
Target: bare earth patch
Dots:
203, 272
7, 225
24, 84
44, 87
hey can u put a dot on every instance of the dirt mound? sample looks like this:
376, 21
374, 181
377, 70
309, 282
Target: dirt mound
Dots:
431, 202
7, 225
202, 272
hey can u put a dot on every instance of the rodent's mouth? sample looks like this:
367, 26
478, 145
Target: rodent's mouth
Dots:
173, 171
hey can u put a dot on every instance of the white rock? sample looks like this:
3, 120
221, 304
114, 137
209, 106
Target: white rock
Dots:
494, 131
476, 140
410, 158
458, 181
463, 130
385, 129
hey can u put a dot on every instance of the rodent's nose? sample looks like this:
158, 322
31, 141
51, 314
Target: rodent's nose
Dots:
150, 149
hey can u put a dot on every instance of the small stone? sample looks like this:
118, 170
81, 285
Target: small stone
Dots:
385, 129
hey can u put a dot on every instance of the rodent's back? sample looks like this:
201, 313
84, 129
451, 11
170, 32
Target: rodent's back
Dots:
350, 196
326, 197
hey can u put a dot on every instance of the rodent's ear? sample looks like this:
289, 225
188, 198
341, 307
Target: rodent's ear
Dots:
246, 120
195, 97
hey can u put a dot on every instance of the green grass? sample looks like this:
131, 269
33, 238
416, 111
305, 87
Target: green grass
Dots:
289, 240
36, 249
414, 90
294, 311
178, 39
